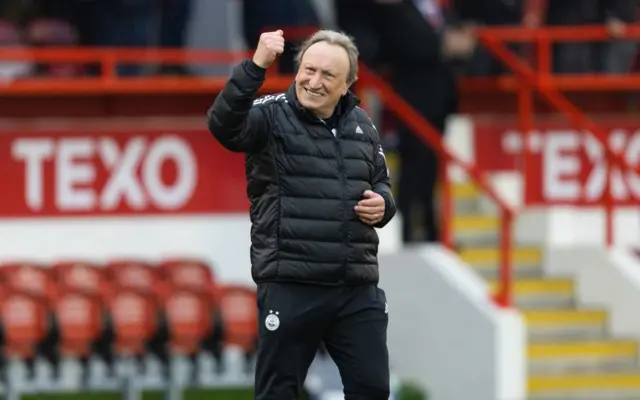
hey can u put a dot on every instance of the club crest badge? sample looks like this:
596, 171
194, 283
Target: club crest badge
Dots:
272, 322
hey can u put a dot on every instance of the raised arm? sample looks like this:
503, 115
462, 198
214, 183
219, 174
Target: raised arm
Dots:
233, 119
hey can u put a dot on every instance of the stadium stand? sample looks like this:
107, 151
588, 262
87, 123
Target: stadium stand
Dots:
78, 322
122, 311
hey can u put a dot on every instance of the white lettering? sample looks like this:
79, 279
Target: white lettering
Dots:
575, 165
123, 183
560, 169
597, 179
170, 148
633, 158
90, 174
34, 152
71, 172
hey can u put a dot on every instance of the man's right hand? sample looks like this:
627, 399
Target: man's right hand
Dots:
271, 45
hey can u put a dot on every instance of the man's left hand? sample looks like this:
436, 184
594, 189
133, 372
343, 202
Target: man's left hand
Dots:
371, 208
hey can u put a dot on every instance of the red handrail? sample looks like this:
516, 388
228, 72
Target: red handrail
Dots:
107, 82
550, 87
556, 33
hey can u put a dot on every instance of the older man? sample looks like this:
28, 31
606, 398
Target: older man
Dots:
318, 186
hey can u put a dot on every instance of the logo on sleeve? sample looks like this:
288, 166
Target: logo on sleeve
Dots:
268, 99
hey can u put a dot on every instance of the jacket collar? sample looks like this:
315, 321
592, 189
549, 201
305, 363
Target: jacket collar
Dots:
347, 103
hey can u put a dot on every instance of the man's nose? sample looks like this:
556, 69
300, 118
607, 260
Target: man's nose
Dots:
315, 81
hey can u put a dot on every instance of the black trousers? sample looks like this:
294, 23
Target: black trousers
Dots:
294, 319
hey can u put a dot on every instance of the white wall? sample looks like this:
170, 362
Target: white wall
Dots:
574, 226
446, 334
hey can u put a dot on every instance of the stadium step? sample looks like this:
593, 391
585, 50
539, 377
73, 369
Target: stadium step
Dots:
585, 386
466, 191
475, 224
486, 261
466, 198
571, 355
562, 324
540, 292
591, 355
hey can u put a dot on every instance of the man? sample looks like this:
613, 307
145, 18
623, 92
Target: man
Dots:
318, 186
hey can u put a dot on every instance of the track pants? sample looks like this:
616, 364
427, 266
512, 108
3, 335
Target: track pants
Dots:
294, 319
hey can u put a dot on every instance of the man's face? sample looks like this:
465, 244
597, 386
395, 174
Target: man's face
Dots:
322, 78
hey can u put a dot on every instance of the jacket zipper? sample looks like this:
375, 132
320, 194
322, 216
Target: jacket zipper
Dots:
343, 182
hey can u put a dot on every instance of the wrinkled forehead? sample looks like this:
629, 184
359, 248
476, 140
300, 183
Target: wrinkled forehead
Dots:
327, 57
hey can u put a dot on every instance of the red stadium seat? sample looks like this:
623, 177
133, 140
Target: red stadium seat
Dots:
50, 32
188, 274
53, 32
24, 320
9, 35
134, 321
240, 316
133, 275
189, 319
28, 278
80, 277
79, 319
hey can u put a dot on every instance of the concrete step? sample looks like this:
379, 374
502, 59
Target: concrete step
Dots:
476, 229
466, 207
469, 194
586, 386
466, 191
586, 355
466, 200
481, 239
485, 260
564, 324
470, 225
545, 293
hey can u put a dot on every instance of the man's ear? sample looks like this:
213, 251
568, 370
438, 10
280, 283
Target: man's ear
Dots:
350, 85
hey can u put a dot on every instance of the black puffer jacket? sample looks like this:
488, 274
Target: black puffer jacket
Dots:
303, 182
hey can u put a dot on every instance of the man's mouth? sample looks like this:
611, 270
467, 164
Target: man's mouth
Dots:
312, 93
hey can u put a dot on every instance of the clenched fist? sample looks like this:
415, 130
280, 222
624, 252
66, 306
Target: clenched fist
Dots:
271, 45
